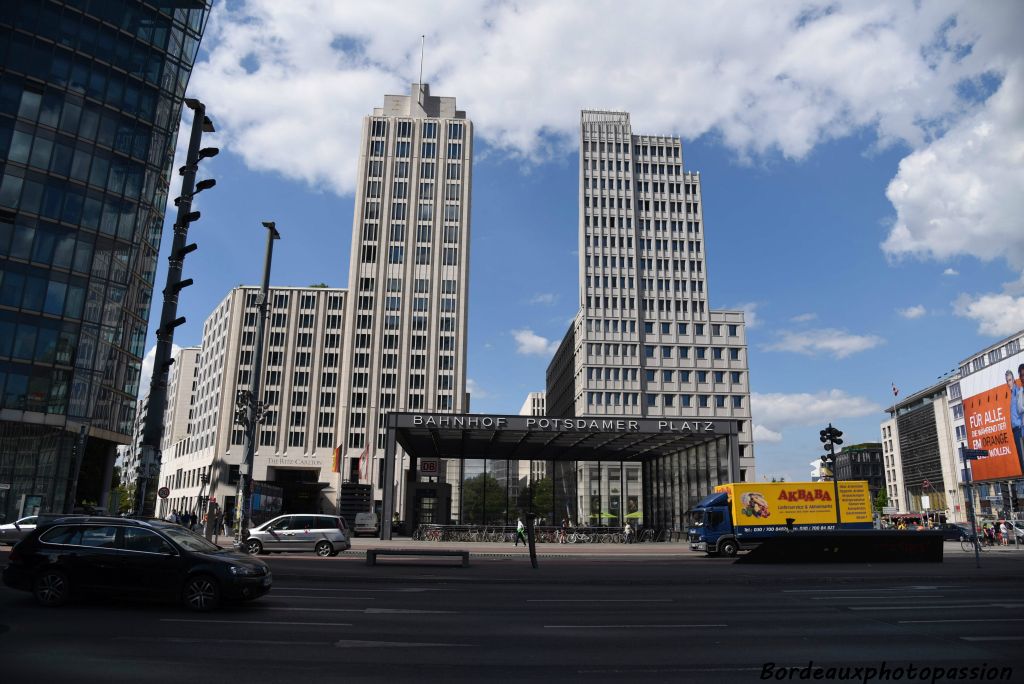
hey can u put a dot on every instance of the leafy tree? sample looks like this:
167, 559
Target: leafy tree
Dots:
881, 500
319, 285
479, 491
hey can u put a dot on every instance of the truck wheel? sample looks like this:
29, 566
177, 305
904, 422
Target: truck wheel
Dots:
729, 548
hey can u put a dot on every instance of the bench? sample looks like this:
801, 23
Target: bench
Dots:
371, 554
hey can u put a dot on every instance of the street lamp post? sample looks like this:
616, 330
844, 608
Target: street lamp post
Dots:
249, 410
153, 430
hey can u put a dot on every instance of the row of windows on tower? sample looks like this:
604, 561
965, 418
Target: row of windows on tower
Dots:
651, 306
404, 129
453, 170
403, 149
638, 169
671, 150
667, 351
615, 374
665, 400
305, 321
424, 232
643, 264
396, 255
699, 329
400, 189
415, 381
280, 300
390, 361
400, 211
420, 285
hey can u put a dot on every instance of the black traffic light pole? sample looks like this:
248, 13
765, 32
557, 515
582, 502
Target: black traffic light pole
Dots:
153, 430
830, 436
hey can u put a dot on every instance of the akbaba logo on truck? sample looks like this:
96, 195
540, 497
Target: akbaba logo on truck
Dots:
796, 495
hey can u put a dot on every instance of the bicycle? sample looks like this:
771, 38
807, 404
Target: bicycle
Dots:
968, 544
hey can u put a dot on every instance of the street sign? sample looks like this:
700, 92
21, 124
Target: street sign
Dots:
889, 510
971, 454
429, 466
163, 492
5, 485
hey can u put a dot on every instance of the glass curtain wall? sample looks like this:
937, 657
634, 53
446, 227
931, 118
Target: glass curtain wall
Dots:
675, 483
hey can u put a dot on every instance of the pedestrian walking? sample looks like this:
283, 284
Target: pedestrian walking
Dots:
563, 534
628, 531
520, 532
1005, 530
228, 515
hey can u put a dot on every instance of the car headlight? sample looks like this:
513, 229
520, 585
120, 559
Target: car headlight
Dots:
246, 571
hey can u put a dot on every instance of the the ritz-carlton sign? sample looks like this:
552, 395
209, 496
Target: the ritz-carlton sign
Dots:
543, 424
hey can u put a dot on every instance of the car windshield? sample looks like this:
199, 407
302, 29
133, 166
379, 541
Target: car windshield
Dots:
189, 541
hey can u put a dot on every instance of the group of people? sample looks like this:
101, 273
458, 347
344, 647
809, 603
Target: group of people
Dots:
187, 520
563, 532
1000, 534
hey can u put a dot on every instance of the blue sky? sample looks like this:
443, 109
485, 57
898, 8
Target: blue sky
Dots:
861, 168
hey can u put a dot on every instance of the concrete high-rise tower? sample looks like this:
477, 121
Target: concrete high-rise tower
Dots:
646, 342
408, 276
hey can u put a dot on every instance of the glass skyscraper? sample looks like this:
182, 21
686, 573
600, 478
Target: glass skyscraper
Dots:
90, 100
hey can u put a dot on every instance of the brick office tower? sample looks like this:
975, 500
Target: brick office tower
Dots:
407, 314
646, 342
90, 100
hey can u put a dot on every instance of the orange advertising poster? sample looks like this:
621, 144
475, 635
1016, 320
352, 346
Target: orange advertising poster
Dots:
987, 416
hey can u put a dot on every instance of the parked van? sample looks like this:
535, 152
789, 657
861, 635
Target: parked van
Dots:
366, 523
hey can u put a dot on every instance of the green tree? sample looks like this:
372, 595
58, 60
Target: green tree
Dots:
479, 491
882, 500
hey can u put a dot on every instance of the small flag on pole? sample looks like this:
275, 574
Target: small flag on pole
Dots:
336, 463
895, 390
362, 461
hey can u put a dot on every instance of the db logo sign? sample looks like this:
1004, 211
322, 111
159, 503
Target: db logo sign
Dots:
429, 466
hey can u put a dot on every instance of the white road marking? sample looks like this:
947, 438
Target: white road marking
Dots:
356, 643
943, 606
627, 626
265, 642
993, 638
599, 600
405, 590
321, 598
887, 598
911, 622
913, 588
258, 622
398, 611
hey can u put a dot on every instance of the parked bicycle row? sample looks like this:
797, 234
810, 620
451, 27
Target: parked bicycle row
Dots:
544, 535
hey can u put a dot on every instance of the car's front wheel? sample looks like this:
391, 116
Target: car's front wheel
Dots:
201, 593
51, 588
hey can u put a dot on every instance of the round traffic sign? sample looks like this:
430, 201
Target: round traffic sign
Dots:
926, 483
163, 492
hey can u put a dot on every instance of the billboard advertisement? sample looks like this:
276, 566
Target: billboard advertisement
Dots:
993, 401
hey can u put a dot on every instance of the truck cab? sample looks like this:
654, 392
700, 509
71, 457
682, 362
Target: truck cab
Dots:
711, 527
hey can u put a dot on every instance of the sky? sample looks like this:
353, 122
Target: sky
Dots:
862, 166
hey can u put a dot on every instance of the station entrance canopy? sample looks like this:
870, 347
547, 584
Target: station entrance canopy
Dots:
683, 457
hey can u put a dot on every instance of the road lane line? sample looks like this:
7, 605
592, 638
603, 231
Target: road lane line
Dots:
627, 626
184, 640
599, 600
887, 598
911, 622
357, 643
914, 588
365, 611
258, 622
321, 598
406, 590
993, 638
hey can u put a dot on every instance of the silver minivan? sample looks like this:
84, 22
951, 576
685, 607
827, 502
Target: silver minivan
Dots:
326, 535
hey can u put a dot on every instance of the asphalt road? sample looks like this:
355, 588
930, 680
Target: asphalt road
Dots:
678, 617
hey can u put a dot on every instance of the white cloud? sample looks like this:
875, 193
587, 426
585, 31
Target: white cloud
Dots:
838, 343
476, 390
289, 82
803, 318
545, 298
951, 272
998, 315
775, 412
763, 434
529, 343
750, 318
147, 368
912, 312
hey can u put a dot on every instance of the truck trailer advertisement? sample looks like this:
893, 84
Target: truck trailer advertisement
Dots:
764, 506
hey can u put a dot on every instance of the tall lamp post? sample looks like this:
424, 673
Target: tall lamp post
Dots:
830, 437
249, 408
153, 429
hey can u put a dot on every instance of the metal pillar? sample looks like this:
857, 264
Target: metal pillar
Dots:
153, 429
390, 447
252, 406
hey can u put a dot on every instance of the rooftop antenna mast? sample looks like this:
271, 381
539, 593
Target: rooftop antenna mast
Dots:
423, 43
